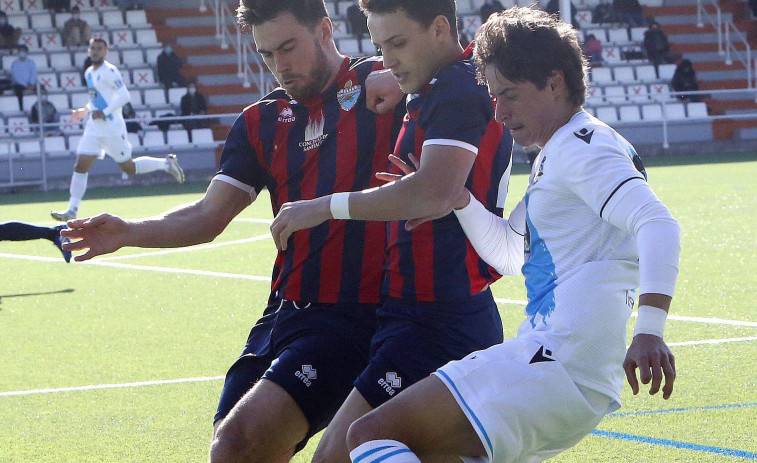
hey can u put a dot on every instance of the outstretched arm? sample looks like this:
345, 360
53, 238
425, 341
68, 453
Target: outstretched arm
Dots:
195, 223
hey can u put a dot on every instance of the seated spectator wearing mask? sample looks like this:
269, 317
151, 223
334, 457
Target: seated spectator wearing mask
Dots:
23, 74
76, 30
49, 114
193, 104
169, 65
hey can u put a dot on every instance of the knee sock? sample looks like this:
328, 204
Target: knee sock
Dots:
17, 231
77, 189
145, 164
385, 451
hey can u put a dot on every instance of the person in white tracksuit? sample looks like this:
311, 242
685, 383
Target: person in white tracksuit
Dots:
105, 130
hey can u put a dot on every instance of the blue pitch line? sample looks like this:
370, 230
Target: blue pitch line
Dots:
678, 410
678, 445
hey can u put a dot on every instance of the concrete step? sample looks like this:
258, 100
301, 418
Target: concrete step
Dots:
686, 48
721, 75
237, 100
721, 106
199, 21
219, 79
197, 41
709, 56
696, 38
721, 84
747, 94
724, 129
209, 60
751, 112
685, 19
748, 133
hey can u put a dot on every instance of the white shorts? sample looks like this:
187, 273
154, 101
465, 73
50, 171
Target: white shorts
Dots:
523, 405
116, 146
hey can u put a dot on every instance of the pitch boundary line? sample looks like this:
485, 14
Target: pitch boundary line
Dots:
676, 444
200, 247
681, 410
112, 386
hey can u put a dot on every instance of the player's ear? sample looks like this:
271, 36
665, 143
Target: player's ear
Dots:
556, 82
441, 26
324, 30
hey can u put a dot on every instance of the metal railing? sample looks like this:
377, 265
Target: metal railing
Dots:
703, 14
726, 31
730, 48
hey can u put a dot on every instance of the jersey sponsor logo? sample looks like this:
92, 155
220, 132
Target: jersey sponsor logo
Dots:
307, 374
314, 135
390, 383
585, 135
348, 95
542, 355
286, 116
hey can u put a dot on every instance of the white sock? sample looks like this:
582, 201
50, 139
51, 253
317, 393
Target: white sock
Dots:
145, 164
77, 189
385, 451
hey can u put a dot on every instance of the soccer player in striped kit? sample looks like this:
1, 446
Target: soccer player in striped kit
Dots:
310, 137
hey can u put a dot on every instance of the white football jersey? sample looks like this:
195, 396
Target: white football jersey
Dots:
581, 271
105, 85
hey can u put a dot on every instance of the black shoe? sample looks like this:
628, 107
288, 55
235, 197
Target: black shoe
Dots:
59, 240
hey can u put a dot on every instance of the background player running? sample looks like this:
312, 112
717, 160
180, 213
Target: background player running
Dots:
105, 131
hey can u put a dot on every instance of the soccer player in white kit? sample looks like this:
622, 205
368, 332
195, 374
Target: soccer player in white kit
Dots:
588, 233
105, 131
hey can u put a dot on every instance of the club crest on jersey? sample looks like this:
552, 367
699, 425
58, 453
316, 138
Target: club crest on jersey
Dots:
314, 135
348, 95
286, 116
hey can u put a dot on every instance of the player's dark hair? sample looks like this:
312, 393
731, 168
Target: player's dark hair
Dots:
529, 45
420, 11
99, 39
256, 12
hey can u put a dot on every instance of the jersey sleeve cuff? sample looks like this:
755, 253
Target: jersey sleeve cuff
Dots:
447, 142
234, 182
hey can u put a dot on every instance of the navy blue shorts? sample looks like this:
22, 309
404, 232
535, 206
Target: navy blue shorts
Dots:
414, 339
313, 352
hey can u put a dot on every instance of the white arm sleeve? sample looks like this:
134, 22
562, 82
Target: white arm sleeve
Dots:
637, 209
497, 241
120, 98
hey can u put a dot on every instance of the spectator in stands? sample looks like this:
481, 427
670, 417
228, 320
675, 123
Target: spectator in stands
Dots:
23, 75
657, 46
76, 30
488, 8
753, 7
358, 23
9, 35
553, 7
193, 104
132, 126
49, 113
593, 49
58, 6
629, 11
169, 65
685, 80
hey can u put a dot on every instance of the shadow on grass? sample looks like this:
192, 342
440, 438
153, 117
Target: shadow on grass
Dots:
61, 291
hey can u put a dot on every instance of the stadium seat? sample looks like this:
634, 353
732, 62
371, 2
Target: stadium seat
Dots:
49, 80
340, 29
600, 34
696, 110
33, 5
601, 75
155, 97
175, 94
646, 73
637, 34
59, 100
651, 112
133, 57
624, 74
618, 36
615, 94
20, 20
79, 100
40, 59
68, 127
471, 23
143, 77
368, 47
41, 22
611, 54
113, 19
146, 37
102, 3
667, 71
659, 92
629, 113
136, 18
79, 58
178, 138
583, 18
331, 9
202, 137
122, 38
7, 146
56, 146
349, 47
153, 139
674, 111
151, 54
143, 116
18, 126
593, 95
51, 40
10, 6
91, 17
134, 140
70, 80
136, 97
29, 101
637, 93
31, 40
607, 114
341, 8
61, 61
9, 103
29, 148
3, 129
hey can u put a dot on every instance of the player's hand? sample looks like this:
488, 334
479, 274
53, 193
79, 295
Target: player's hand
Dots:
78, 114
98, 115
102, 234
653, 358
382, 92
299, 215
402, 165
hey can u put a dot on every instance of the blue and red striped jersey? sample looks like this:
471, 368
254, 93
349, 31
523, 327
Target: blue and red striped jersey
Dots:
304, 150
435, 261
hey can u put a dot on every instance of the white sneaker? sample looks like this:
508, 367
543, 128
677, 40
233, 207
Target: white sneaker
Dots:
174, 168
63, 216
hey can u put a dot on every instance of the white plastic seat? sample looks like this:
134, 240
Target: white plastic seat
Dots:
29, 148
56, 146
675, 111
624, 74
341, 7
667, 71
471, 23
618, 36
29, 101
593, 95
113, 18
41, 21
646, 73
637, 34
48, 80
133, 138
136, 97
600, 34
143, 117
369, 48
73, 142
155, 97
79, 100
122, 38
7, 146
68, 127
143, 77
583, 18
349, 47
18, 126
34, 5
178, 137
601, 75
651, 112
331, 9
615, 94
59, 100
11, 6
340, 29
629, 113
175, 94
20, 20
638, 93
146, 37
151, 54
9, 103
102, 3
51, 40
31, 40
659, 92
40, 59
611, 54
132, 58
696, 110
70, 80
60, 61
607, 114
79, 58
153, 138
202, 136
136, 18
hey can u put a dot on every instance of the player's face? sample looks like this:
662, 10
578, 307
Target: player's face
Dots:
530, 114
97, 52
294, 54
409, 48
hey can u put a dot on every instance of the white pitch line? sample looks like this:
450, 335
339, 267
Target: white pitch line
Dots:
111, 386
711, 341
200, 247
707, 320
509, 301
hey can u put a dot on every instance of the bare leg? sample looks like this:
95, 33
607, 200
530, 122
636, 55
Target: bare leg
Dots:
333, 445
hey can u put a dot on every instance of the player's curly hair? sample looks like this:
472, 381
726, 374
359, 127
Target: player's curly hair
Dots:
529, 45
255, 12
420, 11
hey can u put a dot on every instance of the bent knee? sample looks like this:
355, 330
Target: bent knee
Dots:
237, 441
364, 429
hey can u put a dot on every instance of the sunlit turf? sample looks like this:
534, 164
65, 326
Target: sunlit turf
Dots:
75, 325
